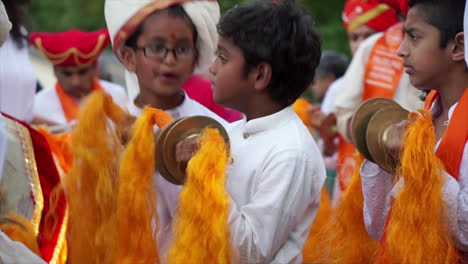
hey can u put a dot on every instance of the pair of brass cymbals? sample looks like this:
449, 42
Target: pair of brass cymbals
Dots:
370, 128
168, 138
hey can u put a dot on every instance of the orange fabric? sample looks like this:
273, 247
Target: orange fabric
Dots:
19, 229
383, 72
60, 147
300, 107
345, 163
69, 106
318, 233
430, 99
384, 67
452, 144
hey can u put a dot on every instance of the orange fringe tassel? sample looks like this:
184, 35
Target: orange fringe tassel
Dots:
348, 240
201, 230
417, 233
91, 186
137, 198
300, 107
311, 253
19, 229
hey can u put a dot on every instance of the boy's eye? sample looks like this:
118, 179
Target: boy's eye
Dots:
158, 48
412, 36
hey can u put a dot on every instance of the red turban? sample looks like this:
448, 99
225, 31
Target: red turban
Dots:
401, 5
371, 13
71, 48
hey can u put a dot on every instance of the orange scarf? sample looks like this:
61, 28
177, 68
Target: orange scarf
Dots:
69, 105
452, 144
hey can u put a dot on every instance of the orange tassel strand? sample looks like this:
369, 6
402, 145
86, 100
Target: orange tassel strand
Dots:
137, 198
349, 241
417, 231
91, 186
201, 233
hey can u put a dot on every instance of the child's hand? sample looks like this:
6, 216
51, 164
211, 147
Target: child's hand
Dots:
186, 149
394, 138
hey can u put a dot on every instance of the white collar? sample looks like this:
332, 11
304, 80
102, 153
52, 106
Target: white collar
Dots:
175, 112
272, 121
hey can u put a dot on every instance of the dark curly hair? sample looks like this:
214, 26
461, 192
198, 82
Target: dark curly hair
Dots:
445, 15
18, 18
281, 34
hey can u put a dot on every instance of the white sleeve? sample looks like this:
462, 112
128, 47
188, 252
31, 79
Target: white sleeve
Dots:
377, 186
328, 103
288, 194
352, 86
16, 252
455, 195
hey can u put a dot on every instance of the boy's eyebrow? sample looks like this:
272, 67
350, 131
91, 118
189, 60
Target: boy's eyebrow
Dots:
223, 49
409, 30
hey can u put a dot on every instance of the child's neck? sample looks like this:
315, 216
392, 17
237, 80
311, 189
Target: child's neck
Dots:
159, 102
450, 93
452, 89
260, 107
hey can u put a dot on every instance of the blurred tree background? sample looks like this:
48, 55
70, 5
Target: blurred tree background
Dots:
54, 16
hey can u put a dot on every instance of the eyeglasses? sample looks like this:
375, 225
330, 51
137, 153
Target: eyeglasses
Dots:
159, 52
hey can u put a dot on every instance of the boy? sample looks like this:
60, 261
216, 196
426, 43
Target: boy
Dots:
436, 28
161, 44
277, 172
74, 55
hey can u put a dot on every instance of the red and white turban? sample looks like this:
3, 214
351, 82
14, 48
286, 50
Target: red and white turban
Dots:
372, 13
124, 16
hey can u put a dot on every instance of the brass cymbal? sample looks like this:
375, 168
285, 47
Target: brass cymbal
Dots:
160, 138
180, 130
377, 135
360, 120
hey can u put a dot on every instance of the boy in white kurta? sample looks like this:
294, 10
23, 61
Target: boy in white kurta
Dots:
425, 33
164, 43
277, 172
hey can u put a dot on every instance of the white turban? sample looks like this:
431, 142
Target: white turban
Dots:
124, 16
5, 24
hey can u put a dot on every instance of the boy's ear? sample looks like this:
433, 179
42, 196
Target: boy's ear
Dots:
458, 50
262, 76
128, 56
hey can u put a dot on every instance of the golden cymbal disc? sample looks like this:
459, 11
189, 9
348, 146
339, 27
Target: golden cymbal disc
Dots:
360, 120
160, 166
377, 135
185, 128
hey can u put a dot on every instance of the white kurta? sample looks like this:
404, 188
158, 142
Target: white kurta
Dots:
275, 183
328, 103
378, 190
168, 193
17, 82
47, 103
352, 88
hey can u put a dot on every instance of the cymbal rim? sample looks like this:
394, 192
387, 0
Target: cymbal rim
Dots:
376, 133
360, 122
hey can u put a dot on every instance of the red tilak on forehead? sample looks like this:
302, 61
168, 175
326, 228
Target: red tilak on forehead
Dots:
173, 36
